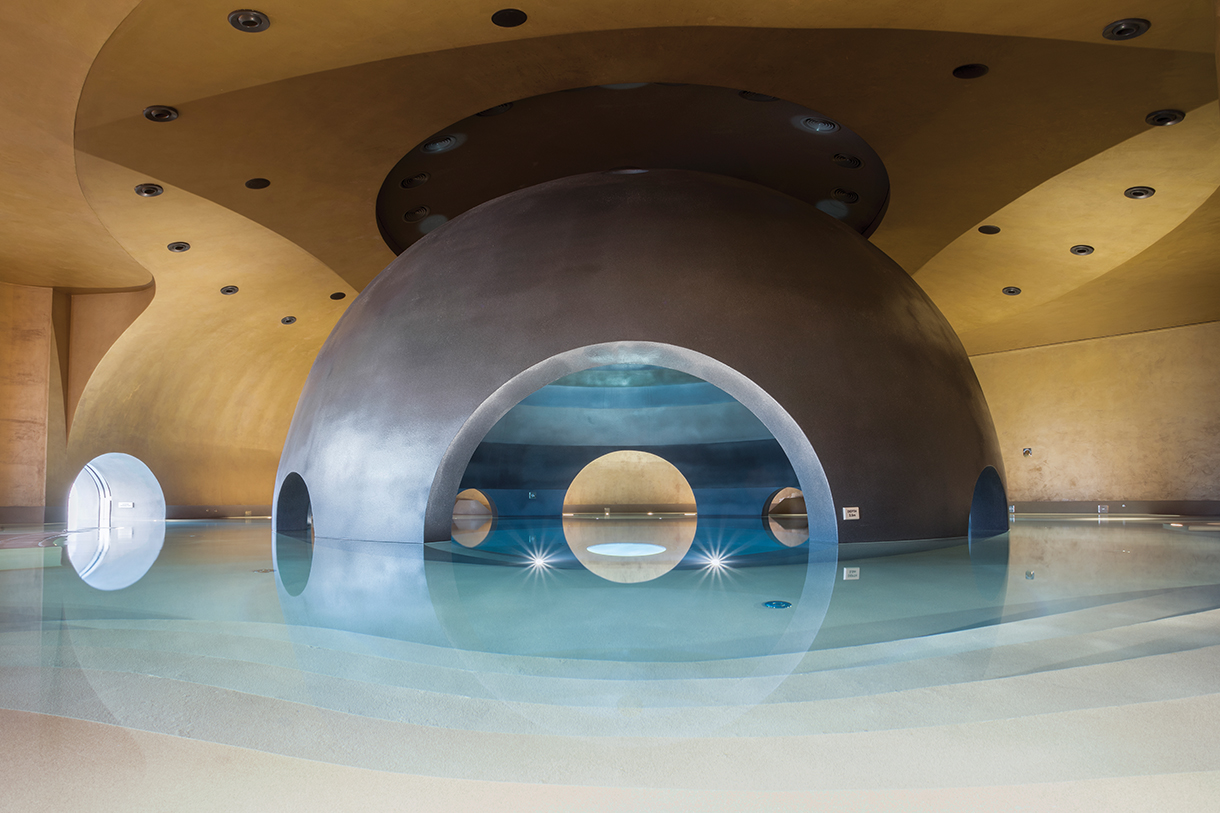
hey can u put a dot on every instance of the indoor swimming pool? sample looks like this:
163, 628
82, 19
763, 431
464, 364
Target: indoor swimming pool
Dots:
1066, 649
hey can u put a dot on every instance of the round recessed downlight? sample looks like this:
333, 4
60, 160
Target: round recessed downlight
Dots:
495, 111
989, 229
1140, 192
415, 215
972, 71
337, 295
415, 180
149, 190
160, 112
249, 20
845, 195
1082, 250
1164, 118
1011, 290
288, 320
757, 97
626, 549
257, 183
229, 290
440, 144
509, 17
179, 247
1127, 29
847, 161
816, 125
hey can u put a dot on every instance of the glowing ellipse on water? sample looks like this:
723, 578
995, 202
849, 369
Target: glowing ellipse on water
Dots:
626, 549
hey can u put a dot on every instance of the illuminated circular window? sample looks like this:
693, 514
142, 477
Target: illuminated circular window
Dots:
629, 516
786, 517
473, 516
116, 521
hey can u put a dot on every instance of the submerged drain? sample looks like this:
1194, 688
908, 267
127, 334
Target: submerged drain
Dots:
777, 605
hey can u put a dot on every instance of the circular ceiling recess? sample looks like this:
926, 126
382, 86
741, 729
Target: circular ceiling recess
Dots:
249, 20
149, 190
257, 183
179, 247
229, 290
989, 229
160, 112
971, 71
1164, 118
1140, 192
1011, 290
288, 320
509, 17
1082, 250
779, 144
1127, 29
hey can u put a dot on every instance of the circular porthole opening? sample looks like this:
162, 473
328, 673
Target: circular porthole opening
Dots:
294, 534
473, 516
786, 518
116, 521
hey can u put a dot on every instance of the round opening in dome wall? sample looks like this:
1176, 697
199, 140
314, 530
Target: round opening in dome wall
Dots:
179, 247
495, 111
1011, 290
1082, 250
288, 320
440, 144
337, 295
229, 290
149, 190
757, 97
989, 229
249, 20
415, 215
816, 125
972, 71
257, 183
160, 113
415, 180
1127, 29
1140, 192
847, 161
1164, 118
845, 195
509, 17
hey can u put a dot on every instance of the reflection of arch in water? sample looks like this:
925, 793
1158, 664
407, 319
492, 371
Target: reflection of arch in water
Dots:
116, 521
629, 516
786, 518
293, 534
474, 515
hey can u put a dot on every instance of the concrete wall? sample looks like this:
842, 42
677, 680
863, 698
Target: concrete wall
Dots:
1126, 418
25, 364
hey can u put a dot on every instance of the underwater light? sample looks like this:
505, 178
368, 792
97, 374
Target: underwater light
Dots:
626, 549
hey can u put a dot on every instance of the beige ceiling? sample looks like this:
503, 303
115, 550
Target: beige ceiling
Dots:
327, 100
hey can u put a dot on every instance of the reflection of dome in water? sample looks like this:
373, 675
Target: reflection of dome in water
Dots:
473, 517
629, 516
786, 517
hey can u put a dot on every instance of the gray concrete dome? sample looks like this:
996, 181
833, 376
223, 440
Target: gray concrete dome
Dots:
824, 338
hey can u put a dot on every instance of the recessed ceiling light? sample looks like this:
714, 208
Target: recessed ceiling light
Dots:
509, 17
1164, 118
160, 112
757, 97
415, 215
989, 229
1140, 192
972, 71
229, 290
845, 195
626, 171
338, 295
815, 125
847, 161
442, 143
1082, 250
1011, 290
249, 20
257, 183
179, 247
415, 180
288, 320
1127, 29
149, 190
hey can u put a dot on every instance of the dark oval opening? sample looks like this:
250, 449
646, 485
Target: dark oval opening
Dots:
293, 534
